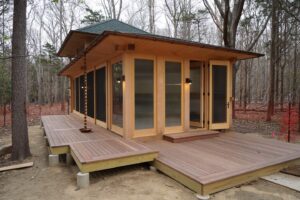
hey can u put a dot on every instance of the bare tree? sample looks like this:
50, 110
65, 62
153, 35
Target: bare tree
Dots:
151, 6
112, 8
227, 19
174, 14
274, 31
20, 142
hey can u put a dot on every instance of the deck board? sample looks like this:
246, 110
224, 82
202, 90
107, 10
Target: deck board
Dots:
205, 166
96, 147
228, 155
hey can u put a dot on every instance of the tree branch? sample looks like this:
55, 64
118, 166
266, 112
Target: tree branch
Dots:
259, 34
225, 23
213, 15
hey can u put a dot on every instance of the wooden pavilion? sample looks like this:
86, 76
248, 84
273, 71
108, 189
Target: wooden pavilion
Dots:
140, 84
146, 88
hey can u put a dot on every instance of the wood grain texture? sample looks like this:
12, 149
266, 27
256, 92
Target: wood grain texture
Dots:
64, 136
190, 136
218, 158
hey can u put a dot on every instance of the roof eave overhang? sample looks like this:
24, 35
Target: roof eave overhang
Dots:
67, 39
102, 36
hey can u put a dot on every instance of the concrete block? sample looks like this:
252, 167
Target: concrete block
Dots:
152, 168
53, 160
202, 197
69, 159
83, 180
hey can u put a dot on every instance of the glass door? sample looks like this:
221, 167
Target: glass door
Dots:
144, 96
173, 96
196, 94
219, 94
101, 96
117, 97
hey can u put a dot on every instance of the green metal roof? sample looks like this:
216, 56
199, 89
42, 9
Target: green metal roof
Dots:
111, 25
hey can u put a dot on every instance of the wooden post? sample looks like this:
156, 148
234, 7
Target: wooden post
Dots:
299, 115
85, 129
289, 122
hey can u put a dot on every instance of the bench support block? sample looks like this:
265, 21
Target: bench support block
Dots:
53, 160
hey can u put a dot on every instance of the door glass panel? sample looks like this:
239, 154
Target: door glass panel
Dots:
219, 92
101, 94
195, 92
81, 106
173, 84
117, 110
77, 93
144, 94
90, 94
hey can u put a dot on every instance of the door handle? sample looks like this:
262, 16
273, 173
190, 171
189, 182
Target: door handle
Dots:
227, 104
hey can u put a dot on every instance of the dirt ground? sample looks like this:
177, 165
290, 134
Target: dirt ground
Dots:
132, 183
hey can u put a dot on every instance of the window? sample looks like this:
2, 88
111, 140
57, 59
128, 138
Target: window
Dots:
144, 93
117, 94
101, 94
173, 87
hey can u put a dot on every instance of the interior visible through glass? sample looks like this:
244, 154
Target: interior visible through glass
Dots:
219, 92
77, 93
195, 91
81, 100
101, 94
173, 85
117, 90
144, 93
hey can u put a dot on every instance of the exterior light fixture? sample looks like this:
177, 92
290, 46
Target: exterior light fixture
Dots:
121, 79
188, 81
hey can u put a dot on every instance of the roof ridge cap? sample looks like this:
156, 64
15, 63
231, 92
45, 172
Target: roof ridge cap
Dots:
92, 25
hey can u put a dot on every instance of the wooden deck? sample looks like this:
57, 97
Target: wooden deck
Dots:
94, 151
190, 136
214, 164
205, 166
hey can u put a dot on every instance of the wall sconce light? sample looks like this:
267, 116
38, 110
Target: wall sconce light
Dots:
121, 79
188, 81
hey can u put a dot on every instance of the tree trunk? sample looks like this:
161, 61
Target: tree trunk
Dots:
4, 115
299, 115
245, 87
274, 27
151, 16
294, 74
20, 142
281, 88
241, 89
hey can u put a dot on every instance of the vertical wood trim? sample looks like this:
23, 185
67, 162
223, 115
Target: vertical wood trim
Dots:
128, 96
72, 96
95, 98
108, 94
186, 94
230, 88
207, 92
160, 97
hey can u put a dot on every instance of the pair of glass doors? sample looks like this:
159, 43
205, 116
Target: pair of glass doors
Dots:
145, 93
209, 95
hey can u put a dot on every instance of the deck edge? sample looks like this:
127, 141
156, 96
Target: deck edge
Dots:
245, 177
178, 176
113, 163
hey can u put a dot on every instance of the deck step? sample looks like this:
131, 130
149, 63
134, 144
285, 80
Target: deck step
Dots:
190, 136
